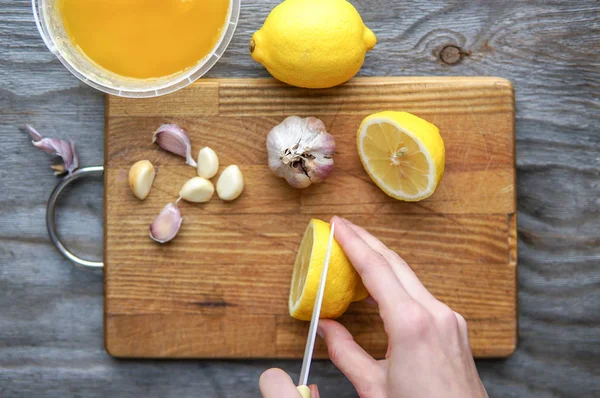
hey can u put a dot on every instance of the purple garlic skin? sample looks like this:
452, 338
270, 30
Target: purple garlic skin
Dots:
301, 151
67, 151
166, 225
174, 139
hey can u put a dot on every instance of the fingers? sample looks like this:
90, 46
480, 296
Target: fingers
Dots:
358, 366
405, 274
462, 328
275, 383
370, 300
314, 391
374, 270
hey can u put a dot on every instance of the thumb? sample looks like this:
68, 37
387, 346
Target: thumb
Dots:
275, 383
314, 391
359, 367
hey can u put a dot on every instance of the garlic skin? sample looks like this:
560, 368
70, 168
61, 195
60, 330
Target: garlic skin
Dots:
67, 151
230, 183
141, 177
197, 190
174, 139
208, 163
166, 225
301, 151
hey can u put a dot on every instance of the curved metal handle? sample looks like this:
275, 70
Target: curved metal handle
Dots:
50, 213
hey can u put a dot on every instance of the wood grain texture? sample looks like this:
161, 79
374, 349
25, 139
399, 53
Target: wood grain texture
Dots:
51, 333
226, 276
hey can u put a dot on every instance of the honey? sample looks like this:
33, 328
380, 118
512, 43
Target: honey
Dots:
144, 38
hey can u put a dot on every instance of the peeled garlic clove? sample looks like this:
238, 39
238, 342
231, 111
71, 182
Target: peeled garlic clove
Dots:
141, 177
231, 183
174, 139
208, 163
166, 225
301, 151
197, 190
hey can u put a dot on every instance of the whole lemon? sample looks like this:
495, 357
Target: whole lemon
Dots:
313, 43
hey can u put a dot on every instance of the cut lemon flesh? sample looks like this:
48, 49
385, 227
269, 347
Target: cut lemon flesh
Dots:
402, 153
343, 284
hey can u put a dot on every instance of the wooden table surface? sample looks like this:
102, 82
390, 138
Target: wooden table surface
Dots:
51, 341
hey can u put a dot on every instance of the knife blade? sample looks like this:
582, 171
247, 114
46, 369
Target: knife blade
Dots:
314, 322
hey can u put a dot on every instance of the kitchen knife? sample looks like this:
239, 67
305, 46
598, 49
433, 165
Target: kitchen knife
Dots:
314, 323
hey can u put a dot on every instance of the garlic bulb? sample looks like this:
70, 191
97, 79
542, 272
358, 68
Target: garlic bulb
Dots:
301, 151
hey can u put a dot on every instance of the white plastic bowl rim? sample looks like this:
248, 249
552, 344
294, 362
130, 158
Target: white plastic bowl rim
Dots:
177, 82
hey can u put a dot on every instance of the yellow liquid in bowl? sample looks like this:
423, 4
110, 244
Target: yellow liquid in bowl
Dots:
144, 38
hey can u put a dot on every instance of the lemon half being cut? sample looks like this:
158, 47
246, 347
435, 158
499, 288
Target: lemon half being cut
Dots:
343, 284
402, 153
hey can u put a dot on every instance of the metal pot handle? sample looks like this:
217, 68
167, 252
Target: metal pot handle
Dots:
50, 215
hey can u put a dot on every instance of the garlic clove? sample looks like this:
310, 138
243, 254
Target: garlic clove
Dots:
71, 167
315, 124
66, 150
58, 169
141, 177
174, 139
208, 163
33, 133
230, 183
166, 225
197, 190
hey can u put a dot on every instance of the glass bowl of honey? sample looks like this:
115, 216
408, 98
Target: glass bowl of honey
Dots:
137, 48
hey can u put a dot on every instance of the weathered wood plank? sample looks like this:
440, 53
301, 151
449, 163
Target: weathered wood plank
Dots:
51, 341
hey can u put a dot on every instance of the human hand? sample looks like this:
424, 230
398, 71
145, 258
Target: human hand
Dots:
428, 348
275, 383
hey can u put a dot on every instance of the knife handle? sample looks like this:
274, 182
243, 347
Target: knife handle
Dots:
304, 391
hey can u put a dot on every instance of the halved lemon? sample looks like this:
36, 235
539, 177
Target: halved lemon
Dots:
343, 284
402, 153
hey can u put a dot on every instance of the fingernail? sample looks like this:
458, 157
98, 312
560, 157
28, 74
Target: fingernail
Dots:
337, 219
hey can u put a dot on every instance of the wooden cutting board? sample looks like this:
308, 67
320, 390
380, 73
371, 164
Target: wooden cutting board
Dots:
220, 289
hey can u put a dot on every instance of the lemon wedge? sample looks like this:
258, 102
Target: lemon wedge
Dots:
343, 284
402, 153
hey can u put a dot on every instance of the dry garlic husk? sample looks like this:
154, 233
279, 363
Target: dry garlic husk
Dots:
67, 151
230, 183
208, 163
174, 139
141, 177
197, 190
301, 151
166, 225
